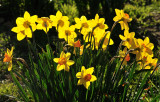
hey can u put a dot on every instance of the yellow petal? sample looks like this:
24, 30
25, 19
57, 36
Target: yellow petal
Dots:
58, 14
122, 37
77, 20
28, 32
132, 34
116, 18
90, 70
93, 78
64, 18
26, 16
34, 18
146, 40
34, 27
86, 84
19, 21
10, 66
97, 17
62, 54
20, 36
68, 55
15, 29
83, 19
39, 26
126, 26
70, 62
56, 60
80, 82
66, 68
122, 25
118, 12
83, 71
11, 52
111, 42
78, 75
60, 67
52, 17
150, 46
149, 51
101, 20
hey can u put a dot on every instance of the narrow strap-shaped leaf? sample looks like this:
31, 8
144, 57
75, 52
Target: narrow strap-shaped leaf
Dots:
23, 93
139, 92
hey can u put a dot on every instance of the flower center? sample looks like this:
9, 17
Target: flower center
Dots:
127, 16
85, 25
67, 32
60, 23
77, 44
100, 25
87, 77
45, 24
22, 32
7, 58
26, 24
127, 58
145, 59
128, 39
62, 61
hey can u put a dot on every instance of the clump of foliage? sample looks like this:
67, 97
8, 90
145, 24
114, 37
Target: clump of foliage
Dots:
8, 91
81, 68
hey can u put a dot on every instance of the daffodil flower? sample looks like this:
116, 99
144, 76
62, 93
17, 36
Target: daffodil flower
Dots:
127, 38
67, 33
143, 47
44, 23
63, 61
82, 24
98, 23
25, 26
123, 19
59, 21
8, 58
85, 76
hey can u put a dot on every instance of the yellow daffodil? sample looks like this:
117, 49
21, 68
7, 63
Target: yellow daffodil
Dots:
142, 47
124, 17
67, 33
147, 62
127, 38
59, 21
8, 58
122, 54
146, 46
85, 76
82, 24
63, 61
98, 23
152, 62
26, 25
44, 23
